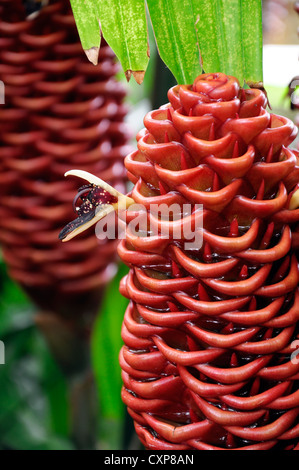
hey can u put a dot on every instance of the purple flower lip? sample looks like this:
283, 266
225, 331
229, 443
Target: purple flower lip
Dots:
98, 200
92, 197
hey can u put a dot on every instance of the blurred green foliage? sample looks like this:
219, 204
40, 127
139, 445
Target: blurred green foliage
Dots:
106, 343
33, 392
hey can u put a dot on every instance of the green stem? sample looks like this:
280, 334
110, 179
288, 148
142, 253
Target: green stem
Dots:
70, 348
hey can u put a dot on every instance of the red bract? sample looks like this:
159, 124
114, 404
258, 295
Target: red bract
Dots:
60, 112
210, 332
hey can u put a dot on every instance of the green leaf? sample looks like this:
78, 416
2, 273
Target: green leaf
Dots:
230, 37
106, 343
174, 28
124, 27
216, 35
252, 37
225, 34
86, 17
218, 29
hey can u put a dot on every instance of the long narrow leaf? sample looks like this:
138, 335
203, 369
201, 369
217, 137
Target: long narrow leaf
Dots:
191, 35
229, 23
252, 37
124, 27
209, 34
87, 22
174, 29
230, 37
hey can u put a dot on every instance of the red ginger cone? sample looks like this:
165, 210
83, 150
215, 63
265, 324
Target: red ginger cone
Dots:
60, 112
210, 333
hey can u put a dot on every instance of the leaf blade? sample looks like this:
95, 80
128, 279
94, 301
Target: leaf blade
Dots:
86, 18
230, 37
218, 35
252, 40
124, 27
173, 26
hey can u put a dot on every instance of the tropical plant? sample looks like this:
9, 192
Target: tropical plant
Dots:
211, 330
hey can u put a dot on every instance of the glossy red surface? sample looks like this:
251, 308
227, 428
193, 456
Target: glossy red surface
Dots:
210, 331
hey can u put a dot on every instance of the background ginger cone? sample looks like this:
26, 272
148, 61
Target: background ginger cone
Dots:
210, 332
61, 112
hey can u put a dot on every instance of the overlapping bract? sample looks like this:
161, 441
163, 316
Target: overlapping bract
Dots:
60, 112
210, 333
